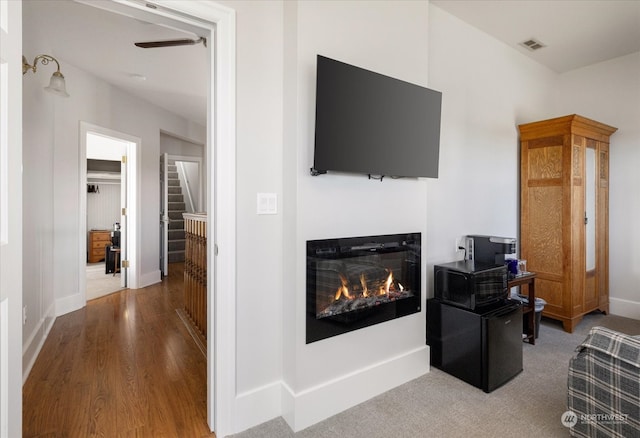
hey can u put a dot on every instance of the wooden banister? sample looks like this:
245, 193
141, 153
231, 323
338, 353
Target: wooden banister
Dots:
195, 270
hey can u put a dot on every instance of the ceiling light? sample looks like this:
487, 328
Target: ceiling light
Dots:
57, 84
138, 77
532, 44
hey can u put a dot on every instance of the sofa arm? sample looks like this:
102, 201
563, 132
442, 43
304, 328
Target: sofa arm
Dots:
604, 385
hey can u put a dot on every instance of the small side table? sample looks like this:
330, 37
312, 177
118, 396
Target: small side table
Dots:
116, 268
529, 310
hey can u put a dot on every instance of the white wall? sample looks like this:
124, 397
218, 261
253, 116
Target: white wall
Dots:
189, 174
328, 376
482, 104
103, 207
488, 89
259, 254
173, 145
38, 205
51, 156
609, 92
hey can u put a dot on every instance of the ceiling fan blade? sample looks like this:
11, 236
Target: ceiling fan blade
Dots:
171, 43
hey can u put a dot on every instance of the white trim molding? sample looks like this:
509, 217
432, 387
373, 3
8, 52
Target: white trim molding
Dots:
220, 203
304, 408
33, 345
259, 405
626, 308
134, 146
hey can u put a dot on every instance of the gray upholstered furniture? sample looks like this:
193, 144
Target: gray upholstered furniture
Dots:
604, 385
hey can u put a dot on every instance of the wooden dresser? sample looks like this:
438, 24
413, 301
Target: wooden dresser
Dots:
98, 239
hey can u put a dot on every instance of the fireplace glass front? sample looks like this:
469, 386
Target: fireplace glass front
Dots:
360, 281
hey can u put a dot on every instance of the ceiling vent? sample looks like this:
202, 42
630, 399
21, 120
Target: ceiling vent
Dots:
532, 44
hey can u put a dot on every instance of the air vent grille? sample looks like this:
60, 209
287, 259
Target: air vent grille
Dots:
532, 44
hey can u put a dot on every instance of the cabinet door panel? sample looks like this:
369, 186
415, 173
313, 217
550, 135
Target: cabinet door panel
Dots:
545, 230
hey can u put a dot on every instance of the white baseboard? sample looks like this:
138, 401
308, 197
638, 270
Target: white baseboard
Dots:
307, 407
31, 348
149, 278
70, 303
626, 308
257, 406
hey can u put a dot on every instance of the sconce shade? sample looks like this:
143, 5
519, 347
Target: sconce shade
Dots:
57, 85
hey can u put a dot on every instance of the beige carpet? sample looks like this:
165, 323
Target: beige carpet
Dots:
439, 405
100, 284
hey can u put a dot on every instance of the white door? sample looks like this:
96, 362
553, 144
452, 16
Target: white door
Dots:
124, 223
164, 214
10, 218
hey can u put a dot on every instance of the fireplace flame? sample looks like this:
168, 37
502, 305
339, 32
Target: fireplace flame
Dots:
377, 288
387, 284
363, 283
343, 289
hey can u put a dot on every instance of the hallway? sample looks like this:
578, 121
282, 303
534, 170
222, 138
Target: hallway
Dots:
125, 365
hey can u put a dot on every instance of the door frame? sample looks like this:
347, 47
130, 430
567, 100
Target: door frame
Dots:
220, 202
11, 200
164, 215
132, 183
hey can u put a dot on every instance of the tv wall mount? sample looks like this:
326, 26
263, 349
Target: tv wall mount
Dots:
316, 172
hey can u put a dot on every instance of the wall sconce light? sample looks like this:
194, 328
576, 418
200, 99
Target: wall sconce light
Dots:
57, 85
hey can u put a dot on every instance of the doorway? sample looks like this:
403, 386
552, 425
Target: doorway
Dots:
221, 373
106, 207
108, 212
220, 189
181, 191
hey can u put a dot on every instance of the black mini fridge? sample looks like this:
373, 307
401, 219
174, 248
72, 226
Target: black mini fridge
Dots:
482, 347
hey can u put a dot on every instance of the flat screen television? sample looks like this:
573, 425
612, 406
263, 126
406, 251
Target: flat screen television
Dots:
374, 124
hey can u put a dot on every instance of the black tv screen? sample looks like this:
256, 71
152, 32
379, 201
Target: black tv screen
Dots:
370, 123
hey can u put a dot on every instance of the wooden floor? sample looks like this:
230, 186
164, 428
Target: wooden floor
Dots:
125, 365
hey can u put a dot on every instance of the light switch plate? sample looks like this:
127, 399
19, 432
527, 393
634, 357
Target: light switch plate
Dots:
267, 203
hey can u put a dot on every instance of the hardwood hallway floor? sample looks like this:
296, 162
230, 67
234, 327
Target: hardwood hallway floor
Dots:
125, 365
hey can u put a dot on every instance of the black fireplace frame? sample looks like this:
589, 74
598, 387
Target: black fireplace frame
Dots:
347, 248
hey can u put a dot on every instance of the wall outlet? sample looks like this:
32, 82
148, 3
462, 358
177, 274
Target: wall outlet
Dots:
460, 242
24, 315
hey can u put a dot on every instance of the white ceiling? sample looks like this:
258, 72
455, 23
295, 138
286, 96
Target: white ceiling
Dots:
101, 43
576, 32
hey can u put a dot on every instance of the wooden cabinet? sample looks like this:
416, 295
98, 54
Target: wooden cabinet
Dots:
98, 240
564, 206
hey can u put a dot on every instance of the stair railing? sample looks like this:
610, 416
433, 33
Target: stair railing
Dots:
182, 175
195, 270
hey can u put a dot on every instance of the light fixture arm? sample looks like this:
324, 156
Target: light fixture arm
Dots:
57, 84
44, 60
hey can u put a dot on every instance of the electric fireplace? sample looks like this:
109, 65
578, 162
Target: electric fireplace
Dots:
356, 282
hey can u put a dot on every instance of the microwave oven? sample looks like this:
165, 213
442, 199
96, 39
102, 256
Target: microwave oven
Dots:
469, 284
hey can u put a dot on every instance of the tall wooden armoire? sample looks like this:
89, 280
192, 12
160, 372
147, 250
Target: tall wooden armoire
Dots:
564, 207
